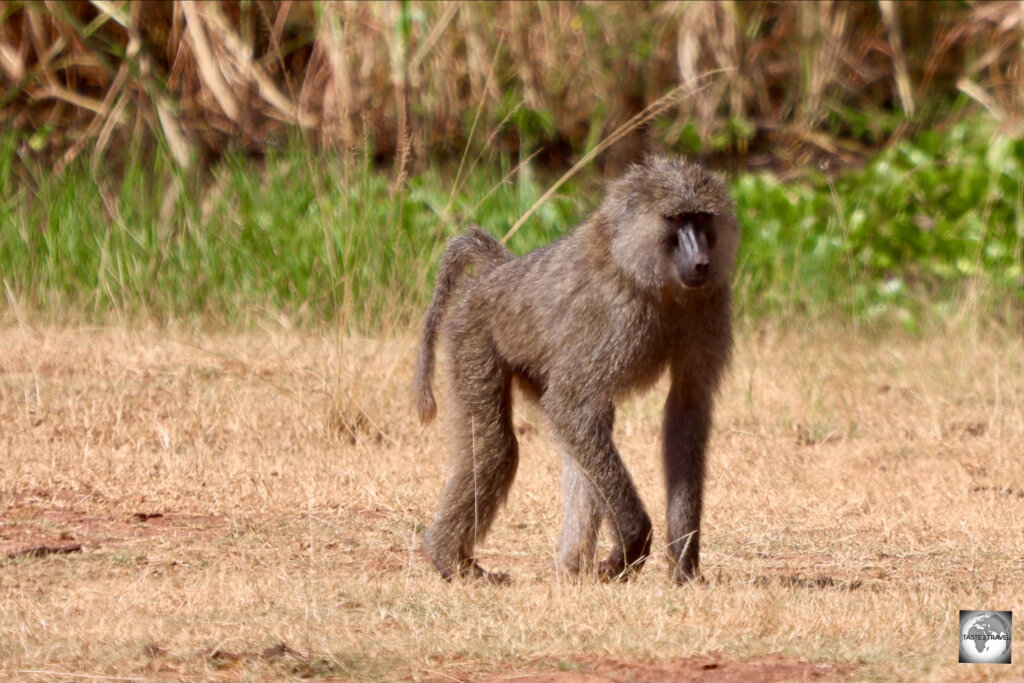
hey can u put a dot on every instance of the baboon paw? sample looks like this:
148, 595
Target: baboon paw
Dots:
469, 570
496, 578
685, 574
613, 570
616, 568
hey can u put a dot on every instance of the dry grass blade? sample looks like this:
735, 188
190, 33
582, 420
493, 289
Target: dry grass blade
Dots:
243, 62
176, 142
982, 97
903, 86
333, 79
436, 30
459, 177
12, 60
112, 11
58, 92
640, 119
208, 64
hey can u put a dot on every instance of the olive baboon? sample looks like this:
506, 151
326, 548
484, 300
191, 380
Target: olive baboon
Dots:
642, 285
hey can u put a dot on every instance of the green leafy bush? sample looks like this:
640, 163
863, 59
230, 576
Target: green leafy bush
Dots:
906, 231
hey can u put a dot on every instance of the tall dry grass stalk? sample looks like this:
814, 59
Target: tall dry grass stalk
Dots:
205, 76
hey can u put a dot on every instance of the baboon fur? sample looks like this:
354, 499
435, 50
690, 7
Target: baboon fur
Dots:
581, 322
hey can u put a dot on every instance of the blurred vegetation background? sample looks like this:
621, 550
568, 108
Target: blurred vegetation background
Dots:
220, 159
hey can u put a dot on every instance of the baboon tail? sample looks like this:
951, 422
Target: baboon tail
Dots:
477, 248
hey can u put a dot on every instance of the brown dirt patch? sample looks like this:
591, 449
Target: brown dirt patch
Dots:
38, 525
712, 667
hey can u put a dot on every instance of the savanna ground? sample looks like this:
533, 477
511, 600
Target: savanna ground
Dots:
177, 504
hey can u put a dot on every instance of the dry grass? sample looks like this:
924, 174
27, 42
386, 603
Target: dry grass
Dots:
861, 492
791, 78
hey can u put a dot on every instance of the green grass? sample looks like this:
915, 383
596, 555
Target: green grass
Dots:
308, 235
323, 237
903, 238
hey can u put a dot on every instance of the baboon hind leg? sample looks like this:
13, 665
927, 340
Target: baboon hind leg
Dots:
581, 520
484, 461
586, 432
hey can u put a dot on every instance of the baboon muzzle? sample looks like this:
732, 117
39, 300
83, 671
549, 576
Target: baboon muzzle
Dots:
691, 256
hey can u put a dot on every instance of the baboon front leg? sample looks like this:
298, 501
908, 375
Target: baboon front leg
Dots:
484, 461
587, 436
687, 423
581, 520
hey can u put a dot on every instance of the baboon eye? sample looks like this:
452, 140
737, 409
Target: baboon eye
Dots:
701, 220
710, 233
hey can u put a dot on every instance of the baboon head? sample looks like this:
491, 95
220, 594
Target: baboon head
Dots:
672, 227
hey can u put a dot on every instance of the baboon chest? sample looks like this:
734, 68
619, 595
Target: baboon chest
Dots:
635, 361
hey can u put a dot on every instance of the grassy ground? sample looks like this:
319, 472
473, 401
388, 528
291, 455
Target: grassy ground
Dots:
249, 506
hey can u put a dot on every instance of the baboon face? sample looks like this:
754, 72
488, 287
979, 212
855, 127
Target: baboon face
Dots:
690, 244
674, 227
